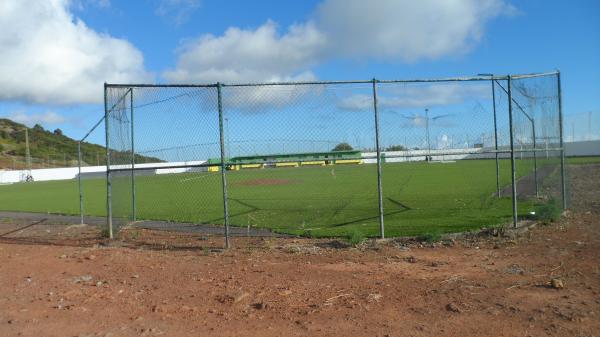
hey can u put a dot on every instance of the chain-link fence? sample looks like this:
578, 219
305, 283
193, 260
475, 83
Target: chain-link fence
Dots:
583, 126
353, 158
91, 175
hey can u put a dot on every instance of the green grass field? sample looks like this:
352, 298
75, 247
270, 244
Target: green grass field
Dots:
319, 201
582, 160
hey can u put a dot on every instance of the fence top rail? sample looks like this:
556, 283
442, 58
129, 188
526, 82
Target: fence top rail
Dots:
521, 76
92, 129
423, 80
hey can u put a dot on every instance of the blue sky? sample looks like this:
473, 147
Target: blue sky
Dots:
167, 41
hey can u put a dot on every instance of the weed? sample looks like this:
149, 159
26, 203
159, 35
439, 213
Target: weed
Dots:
105, 233
355, 237
134, 235
548, 211
430, 237
307, 234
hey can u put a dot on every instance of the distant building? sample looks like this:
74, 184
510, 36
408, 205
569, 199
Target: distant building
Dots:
295, 160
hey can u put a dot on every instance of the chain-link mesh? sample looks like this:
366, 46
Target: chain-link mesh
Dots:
535, 108
583, 126
119, 135
301, 158
176, 154
296, 158
439, 143
92, 173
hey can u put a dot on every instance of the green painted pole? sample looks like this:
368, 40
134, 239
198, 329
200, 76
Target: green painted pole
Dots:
133, 209
562, 145
79, 182
378, 149
108, 177
223, 166
513, 177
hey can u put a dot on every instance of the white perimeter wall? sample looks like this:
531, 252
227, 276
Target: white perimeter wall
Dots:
419, 155
9, 177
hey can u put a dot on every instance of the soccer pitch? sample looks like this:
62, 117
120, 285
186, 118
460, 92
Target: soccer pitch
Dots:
418, 197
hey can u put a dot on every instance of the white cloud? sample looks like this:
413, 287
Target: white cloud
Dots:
248, 55
397, 96
177, 11
391, 30
405, 30
357, 102
47, 118
261, 98
444, 141
48, 56
252, 55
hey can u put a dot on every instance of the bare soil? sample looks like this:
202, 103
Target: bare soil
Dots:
526, 184
59, 280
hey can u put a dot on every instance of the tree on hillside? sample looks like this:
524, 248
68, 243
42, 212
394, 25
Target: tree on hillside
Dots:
395, 148
343, 147
58, 132
38, 127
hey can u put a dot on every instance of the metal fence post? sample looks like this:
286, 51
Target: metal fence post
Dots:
496, 137
108, 178
378, 148
79, 182
562, 145
133, 215
223, 166
512, 154
535, 170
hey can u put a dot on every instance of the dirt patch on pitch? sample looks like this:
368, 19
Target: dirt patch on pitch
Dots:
526, 184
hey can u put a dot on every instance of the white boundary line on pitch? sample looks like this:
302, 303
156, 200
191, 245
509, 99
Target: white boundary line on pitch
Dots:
194, 178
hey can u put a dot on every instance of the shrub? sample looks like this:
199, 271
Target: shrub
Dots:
430, 237
395, 148
548, 212
355, 237
342, 147
105, 233
307, 233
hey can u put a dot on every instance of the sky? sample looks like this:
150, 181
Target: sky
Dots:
56, 54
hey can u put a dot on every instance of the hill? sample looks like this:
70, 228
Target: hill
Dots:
47, 148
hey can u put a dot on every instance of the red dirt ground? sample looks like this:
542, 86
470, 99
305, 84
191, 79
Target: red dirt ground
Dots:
65, 282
